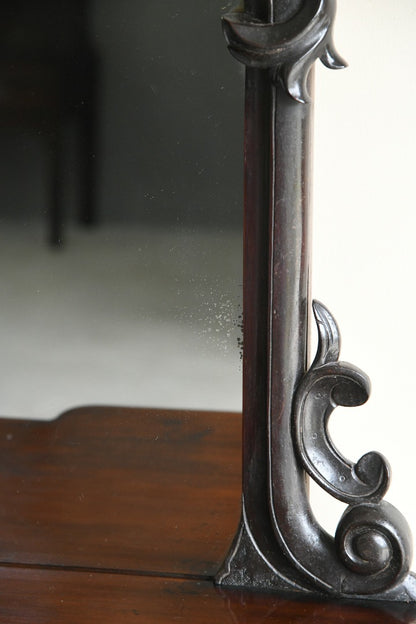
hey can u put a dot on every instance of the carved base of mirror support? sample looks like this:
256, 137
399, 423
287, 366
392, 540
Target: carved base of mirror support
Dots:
370, 556
247, 567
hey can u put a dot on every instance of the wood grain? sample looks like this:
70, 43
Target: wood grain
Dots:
46, 597
144, 490
124, 515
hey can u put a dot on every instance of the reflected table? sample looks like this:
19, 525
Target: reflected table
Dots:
125, 515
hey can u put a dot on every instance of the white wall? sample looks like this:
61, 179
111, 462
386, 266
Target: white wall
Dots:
365, 229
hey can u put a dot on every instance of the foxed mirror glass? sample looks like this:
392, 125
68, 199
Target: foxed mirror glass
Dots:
141, 305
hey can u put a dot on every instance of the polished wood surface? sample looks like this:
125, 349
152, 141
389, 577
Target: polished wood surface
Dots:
124, 515
46, 597
153, 491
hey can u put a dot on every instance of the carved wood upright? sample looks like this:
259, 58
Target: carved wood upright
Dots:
279, 544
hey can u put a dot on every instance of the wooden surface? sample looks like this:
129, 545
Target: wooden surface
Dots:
124, 515
105, 488
50, 597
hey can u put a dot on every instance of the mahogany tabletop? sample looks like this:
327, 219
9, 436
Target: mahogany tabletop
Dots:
114, 515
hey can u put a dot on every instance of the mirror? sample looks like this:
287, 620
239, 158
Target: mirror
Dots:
144, 306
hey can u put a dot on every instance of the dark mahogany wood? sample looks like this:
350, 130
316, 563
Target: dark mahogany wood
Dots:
124, 515
52, 597
114, 488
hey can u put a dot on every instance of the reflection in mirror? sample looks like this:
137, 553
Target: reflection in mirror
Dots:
143, 307
125, 117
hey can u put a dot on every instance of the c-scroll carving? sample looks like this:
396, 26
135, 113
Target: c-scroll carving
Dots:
329, 384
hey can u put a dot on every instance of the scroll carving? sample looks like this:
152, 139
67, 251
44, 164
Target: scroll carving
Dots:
370, 554
288, 49
328, 384
373, 540
279, 544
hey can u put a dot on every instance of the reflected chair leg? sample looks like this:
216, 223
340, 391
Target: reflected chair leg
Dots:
88, 150
56, 201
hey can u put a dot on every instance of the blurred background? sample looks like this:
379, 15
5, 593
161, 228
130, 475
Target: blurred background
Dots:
121, 212
121, 134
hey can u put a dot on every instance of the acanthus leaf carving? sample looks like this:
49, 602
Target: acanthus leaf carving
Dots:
288, 50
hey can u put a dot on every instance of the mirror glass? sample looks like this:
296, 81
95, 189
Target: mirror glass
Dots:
121, 213
121, 128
